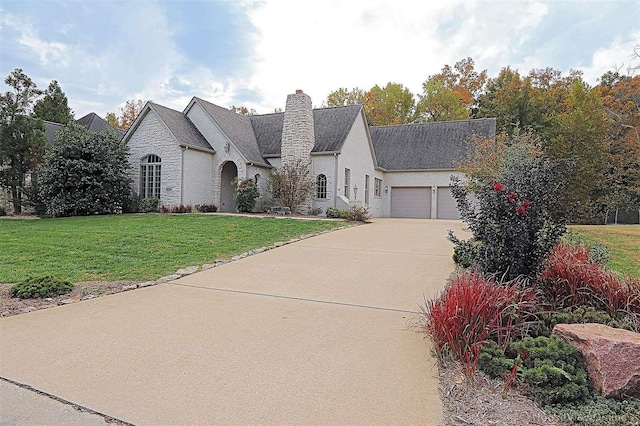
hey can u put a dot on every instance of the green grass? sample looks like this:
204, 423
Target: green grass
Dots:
136, 246
623, 242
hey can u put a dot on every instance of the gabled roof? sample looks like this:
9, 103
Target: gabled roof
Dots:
331, 126
238, 129
51, 130
428, 146
94, 123
91, 122
185, 133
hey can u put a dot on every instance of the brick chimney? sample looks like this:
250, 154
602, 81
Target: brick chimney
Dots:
298, 136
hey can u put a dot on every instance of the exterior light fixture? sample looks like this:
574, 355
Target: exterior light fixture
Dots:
226, 147
355, 191
386, 189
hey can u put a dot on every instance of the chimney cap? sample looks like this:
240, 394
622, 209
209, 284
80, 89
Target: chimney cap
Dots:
299, 92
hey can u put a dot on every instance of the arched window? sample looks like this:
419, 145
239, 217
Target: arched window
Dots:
150, 176
321, 187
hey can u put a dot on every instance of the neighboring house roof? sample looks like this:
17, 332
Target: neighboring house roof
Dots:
238, 129
94, 123
51, 130
331, 126
91, 122
428, 146
181, 127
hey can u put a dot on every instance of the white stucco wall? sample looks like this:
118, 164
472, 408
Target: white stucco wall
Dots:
152, 137
217, 140
263, 173
198, 177
357, 155
434, 179
324, 165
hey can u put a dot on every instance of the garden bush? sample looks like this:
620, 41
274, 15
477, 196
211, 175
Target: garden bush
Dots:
206, 208
552, 369
3, 212
357, 214
46, 286
177, 209
474, 309
599, 411
335, 213
149, 205
572, 315
517, 217
245, 194
314, 211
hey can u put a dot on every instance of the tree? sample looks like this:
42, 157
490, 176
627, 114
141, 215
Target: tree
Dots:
245, 194
53, 106
126, 116
389, 105
582, 136
22, 140
344, 96
440, 103
291, 184
620, 96
85, 173
242, 110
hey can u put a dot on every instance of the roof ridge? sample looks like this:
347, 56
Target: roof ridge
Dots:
436, 122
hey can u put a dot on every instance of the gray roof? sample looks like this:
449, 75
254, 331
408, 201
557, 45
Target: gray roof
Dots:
428, 146
95, 123
51, 130
182, 128
331, 126
238, 128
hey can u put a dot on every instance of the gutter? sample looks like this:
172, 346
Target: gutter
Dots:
335, 182
182, 149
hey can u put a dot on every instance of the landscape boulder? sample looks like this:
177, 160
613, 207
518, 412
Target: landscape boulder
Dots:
612, 357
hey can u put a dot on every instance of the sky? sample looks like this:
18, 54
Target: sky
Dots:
254, 53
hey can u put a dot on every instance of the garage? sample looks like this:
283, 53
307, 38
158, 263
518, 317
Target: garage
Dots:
411, 202
447, 206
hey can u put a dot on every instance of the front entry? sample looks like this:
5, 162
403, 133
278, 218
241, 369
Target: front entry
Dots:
228, 174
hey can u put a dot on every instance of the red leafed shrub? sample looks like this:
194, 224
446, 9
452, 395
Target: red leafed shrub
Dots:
571, 279
474, 309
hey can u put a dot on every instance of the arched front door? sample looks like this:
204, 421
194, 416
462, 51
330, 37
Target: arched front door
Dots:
229, 172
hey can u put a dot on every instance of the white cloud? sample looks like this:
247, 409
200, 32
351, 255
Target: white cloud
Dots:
321, 46
618, 55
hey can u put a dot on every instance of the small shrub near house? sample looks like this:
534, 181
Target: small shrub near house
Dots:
41, 287
335, 213
3, 212
516, 219
245, 194
357, 214
206, 208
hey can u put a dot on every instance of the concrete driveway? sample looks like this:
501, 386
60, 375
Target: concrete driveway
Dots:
315, 332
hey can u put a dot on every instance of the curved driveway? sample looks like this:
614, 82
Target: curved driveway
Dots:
314, 332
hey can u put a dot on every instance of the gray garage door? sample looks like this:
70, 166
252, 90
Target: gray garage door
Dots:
412, 202
447, 207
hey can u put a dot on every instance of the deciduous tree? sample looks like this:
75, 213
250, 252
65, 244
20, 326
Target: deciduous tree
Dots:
126, 115
440, 103
344, 96
22, 141
242, 110
389, 105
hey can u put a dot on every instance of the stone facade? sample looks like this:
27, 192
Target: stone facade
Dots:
298, 134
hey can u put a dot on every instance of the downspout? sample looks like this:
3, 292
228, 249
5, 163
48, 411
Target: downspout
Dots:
335, 182
182, 149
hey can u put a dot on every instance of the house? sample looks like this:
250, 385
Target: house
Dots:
191, 157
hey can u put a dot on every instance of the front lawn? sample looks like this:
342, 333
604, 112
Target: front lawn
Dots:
623, 242
136, 246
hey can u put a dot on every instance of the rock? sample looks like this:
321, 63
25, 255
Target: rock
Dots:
259, 250
612, 356
220, 262
279, 243
187, 271
146, 284
70, 300
29, 309
5, 314
208, 266
129, 287
167, 278
89, 296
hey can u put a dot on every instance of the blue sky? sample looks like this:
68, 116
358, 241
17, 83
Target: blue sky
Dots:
255, 52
